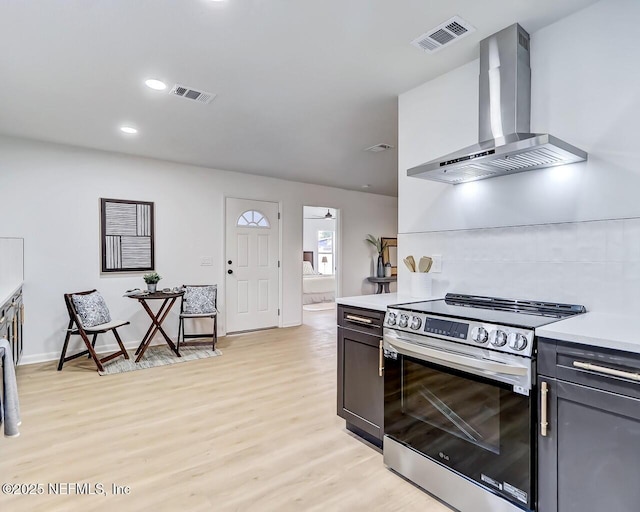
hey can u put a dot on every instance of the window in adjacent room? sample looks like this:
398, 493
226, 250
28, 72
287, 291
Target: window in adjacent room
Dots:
326, 252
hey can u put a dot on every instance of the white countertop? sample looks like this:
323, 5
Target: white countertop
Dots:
379, 302
7, 291
614, 331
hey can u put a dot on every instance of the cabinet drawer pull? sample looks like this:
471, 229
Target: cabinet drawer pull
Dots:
359, 319
380, 360
544, 423
3, 320
607, 371
22, 314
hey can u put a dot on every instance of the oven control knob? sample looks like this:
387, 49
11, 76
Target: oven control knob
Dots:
517, 341
404, 321
416, 322
479, 334
391, 319
498, 338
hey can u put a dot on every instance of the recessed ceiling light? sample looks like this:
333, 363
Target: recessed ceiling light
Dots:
128, 129
156, 85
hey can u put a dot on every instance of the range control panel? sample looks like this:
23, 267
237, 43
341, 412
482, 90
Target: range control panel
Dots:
507, 339
444, 327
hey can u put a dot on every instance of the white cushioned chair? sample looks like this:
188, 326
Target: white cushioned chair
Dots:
198, 301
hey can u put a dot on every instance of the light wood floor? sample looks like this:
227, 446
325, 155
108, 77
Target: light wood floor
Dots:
255, 430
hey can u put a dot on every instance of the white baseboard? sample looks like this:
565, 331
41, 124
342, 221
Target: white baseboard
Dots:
293, 324
101, 349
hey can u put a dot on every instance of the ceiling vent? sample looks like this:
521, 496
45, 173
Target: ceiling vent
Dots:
192, 94
379, 147
443, 35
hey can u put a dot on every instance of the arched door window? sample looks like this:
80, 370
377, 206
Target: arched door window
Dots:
253, 219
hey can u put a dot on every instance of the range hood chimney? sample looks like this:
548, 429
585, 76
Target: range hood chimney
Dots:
506, 146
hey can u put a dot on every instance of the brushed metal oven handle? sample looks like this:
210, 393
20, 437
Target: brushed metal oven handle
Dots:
544, 423
470, 362
607, 371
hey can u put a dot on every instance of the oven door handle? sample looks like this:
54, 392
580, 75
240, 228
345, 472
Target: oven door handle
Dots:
440, 356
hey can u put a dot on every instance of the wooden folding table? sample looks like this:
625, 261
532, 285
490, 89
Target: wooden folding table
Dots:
168, 300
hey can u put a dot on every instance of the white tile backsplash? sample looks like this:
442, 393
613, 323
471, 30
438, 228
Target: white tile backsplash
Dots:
631, 240
615, 240
556, 242
591, 241
594, 263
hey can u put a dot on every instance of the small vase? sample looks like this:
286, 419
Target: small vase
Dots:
151, 287
380, 267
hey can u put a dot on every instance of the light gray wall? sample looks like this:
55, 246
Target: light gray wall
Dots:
549, 234
51, 195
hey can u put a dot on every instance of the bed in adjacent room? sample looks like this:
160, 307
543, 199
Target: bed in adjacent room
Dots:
316, 287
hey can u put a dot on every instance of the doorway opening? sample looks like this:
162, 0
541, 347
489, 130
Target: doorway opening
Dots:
321, 262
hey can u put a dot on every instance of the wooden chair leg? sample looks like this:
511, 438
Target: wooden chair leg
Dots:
215, 331
93, 344
180, 328
64, 347
120, 344
92, 352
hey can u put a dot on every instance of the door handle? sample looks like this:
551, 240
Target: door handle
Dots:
359, 319
229, 271
438, 356
606, 370
544, 423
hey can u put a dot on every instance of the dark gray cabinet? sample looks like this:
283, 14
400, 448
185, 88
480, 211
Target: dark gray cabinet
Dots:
589, 458
360, 380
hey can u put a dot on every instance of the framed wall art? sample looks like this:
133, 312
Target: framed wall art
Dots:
390, 254
126, 234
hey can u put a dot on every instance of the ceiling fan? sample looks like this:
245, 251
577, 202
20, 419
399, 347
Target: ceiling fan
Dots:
327, 215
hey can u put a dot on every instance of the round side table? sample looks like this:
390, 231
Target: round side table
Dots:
382, 283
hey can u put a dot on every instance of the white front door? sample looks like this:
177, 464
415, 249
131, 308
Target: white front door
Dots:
252, 247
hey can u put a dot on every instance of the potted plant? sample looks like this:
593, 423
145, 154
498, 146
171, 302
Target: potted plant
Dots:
151, 279
380, 247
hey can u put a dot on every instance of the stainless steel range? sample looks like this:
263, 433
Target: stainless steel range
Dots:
459, 417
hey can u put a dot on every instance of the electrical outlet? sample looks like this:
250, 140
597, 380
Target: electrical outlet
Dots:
436, 268
207, 261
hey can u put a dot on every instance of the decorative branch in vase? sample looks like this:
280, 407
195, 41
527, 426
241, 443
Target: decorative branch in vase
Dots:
380, 246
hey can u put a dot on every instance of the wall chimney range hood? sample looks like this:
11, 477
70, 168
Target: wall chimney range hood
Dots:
506, 145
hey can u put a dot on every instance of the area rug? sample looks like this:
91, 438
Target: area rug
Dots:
160, 355
321, 306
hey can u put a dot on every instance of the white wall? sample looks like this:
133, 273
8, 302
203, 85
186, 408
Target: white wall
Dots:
52, 193
11, 266
585, 90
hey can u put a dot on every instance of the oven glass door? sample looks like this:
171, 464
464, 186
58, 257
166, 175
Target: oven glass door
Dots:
475, 426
